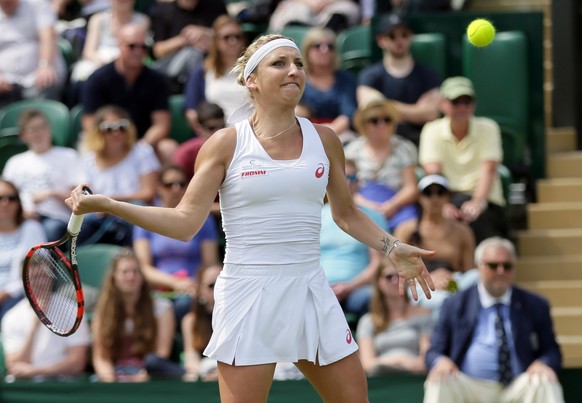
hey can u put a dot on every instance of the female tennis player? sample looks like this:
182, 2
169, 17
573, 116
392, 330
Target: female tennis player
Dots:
273, 302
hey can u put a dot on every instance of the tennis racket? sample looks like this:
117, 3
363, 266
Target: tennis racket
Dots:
51, 281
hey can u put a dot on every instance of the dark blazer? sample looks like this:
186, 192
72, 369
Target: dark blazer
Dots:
531, 323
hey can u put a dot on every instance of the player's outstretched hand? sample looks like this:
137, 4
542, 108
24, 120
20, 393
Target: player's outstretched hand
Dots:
81, 203
411, 269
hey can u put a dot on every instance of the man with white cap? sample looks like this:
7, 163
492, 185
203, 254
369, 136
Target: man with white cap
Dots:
466, 149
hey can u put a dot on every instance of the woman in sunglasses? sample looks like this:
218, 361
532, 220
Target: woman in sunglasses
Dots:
452, 266
17, 236
394, 335
169, 265
386, 163
117, 166
214, 81
330, 93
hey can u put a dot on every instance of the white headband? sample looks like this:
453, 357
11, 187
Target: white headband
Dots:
263, 51
246, 110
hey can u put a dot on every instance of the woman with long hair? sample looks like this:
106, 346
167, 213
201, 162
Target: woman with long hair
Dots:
132, 331
197, 327
214, 80
394, 335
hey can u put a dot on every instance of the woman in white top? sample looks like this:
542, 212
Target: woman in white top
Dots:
272, 300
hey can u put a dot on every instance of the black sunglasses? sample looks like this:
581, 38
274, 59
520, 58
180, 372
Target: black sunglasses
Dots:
213, 128
232, 37
376, 120
140, 46
462, 100
323, 46
109, 127
507, 266
403, 34
438, 190
9, 198
180, 184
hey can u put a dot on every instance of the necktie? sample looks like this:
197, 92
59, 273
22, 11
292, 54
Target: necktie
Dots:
505, 373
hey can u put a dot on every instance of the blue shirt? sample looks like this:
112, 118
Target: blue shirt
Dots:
342, 257
481, 359
177, 257
339, 100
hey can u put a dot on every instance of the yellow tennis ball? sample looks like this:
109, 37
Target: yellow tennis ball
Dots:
480, 32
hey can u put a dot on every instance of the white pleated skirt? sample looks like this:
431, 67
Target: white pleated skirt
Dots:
269, 314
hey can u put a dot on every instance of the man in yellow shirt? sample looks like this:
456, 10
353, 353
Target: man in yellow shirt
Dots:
466, 149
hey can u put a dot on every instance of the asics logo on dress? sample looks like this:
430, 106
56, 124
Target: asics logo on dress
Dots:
320, 170
349, 337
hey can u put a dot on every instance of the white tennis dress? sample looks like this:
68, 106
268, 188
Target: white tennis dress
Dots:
273, 301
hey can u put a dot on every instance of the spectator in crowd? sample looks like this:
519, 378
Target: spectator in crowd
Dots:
412, 86
17, 236
33, 351
209, 119
386, 163
466, 149
330, 93
336, 15
349, 265
32, 66
129, 84
494, 342
168, 264
452, 267
119, 167
182, 35
197, 327
45, 174
132, 331
102, 43
214, 80
394, 335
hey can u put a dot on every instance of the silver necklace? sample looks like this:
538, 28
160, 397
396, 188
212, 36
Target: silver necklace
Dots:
275, 135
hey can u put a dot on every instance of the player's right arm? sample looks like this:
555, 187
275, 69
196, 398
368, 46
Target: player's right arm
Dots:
185, 220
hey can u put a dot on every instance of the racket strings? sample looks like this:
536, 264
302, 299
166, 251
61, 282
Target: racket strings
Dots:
53, 288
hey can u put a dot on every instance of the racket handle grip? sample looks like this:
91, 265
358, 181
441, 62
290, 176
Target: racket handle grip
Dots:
75, 222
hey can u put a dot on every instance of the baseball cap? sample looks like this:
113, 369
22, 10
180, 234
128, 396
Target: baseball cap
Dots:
434, 179
454, 87
388, 22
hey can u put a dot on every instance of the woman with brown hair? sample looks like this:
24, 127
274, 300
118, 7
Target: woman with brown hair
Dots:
132, 331
214, 80
394, 335
197, 327
17, 236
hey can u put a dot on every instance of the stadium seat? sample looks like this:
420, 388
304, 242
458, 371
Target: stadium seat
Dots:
354, 48
431, 49
180, 130
56, 112
94, 261
66, 50
76, 116
500, 75
8, 148
295, 32
2, 360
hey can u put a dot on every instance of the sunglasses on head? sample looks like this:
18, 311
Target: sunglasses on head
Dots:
180, 184
507, 266
140, 46
323, 46
391, 277
463, 100
435, 190
378, 120
8, 198
109, 127
231, 37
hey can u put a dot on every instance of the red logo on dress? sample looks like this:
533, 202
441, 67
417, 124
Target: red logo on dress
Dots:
349, 336
320, 170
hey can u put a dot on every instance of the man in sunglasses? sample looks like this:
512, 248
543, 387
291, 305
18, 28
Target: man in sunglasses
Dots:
411, 85
494, 342
466, 149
